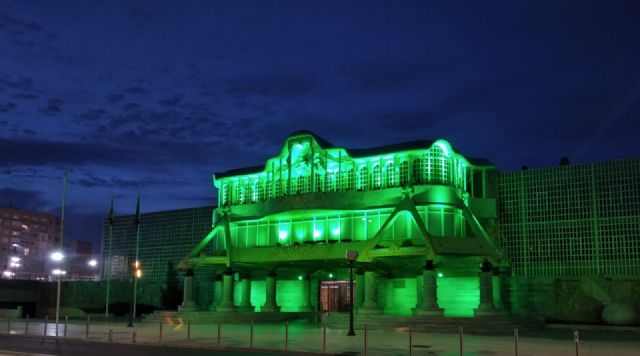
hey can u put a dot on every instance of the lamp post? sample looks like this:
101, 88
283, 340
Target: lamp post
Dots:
351, 256
58, 257
135, 274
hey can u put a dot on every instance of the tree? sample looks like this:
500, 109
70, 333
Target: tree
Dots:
171, 292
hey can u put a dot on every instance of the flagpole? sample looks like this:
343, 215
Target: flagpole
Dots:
64, 197
134, 268
135, 278
108, 265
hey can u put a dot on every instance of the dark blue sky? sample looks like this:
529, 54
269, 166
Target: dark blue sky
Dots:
156, 96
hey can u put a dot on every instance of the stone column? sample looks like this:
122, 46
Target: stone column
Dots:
370, 305
429, 305
419, 291
306, 294
187, 292
245, 288
359, 292
217, 292
270, 289
486, 306
226, 304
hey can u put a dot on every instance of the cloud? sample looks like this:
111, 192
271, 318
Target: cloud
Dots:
22, 199
91, 180
48, 153
7, 107
134, 90
172, 101
381, 76
278, 86
53, 107
113, 98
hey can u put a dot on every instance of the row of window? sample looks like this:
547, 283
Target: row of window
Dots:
431, 170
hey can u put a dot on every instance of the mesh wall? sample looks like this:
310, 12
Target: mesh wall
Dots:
572, 220
164, 236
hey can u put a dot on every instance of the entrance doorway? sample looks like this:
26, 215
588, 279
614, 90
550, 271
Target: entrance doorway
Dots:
334, 296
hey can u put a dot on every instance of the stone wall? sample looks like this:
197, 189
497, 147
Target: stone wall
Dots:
87, 295
576, 300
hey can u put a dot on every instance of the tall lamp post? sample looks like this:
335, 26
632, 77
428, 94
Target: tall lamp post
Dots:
58, 273
58, 256
351, 256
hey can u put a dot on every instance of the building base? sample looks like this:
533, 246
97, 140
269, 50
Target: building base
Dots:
369, 310
428, 312
245, 308
270, 309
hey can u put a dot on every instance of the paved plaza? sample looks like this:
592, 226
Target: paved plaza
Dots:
308, 338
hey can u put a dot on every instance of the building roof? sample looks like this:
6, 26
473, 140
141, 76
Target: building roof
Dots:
354, 152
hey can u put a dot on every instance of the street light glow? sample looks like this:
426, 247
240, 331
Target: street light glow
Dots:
59, 272
93, 263
8, 274
57, 256
15, 259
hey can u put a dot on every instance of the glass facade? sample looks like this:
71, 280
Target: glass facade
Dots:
164, 236
572, 220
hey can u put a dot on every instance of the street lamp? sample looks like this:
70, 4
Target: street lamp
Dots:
58, 257
351, 256
135, 274
92, 263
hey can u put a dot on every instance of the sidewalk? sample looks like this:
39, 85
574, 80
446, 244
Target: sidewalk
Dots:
309, 337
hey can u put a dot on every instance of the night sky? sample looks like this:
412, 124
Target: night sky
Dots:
156, 96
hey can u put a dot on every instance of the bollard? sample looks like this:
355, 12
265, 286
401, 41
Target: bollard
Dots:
188, 330
576, 337
160, 332
410, 341
110, 337
8, 325
26, 325
286, 336
324, 338
251, 335
46, 319
365, 339
461, 332
86, 330
133, 337
66, 321
219, 332
515, 339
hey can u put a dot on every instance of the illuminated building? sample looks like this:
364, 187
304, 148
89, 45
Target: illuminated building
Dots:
26, 239
558, 236
411, 211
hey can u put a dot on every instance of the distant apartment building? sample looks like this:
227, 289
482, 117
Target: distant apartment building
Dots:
26, 238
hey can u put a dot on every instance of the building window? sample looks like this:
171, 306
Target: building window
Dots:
418, 171
363, 174
404, 173
377, 179
390, 175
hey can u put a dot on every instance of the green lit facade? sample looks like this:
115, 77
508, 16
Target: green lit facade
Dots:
412, 211
574, 220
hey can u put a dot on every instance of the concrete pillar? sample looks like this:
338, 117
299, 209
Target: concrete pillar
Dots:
370, 305
306, 294
226, 304
358, 297
217, 292
419, 291
245, 288
270, 290
187, 292
486, 306
429, 304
